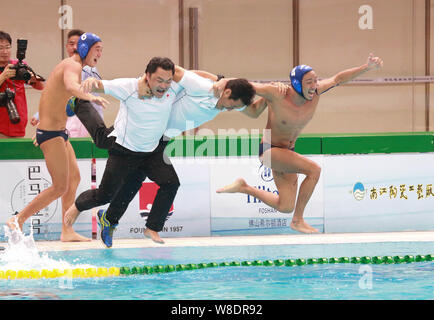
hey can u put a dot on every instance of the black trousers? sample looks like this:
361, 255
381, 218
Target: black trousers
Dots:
124, 174
94, 124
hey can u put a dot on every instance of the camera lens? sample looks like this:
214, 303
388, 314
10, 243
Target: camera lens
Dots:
7, 100
14, 116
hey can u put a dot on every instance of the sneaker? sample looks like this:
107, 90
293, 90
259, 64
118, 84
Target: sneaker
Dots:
106, 228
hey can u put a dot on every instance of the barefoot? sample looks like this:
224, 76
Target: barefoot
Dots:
71, 215
13, 224
69, 235
234, 187
153, 236
302, 226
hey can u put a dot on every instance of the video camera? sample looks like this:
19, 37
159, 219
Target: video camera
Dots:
7, 100
22, 70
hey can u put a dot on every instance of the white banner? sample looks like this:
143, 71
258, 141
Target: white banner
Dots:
190, 212
236, 213
22, 181
356, 193
379, 193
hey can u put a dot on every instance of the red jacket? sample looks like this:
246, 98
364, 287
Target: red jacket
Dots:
6, 127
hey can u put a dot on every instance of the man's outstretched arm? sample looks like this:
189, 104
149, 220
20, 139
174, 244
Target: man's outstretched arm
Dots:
349, 74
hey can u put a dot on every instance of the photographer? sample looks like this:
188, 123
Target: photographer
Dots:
13, 88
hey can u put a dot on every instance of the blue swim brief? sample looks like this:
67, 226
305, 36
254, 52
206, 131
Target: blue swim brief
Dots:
44, 135
264, 146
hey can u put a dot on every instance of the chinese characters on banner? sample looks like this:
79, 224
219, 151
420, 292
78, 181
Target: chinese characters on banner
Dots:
401, 191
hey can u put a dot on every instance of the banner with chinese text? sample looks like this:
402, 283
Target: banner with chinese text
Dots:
378, 193
23, 180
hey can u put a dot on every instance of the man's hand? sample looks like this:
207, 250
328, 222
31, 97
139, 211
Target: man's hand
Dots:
99, 101
374, 62
35, 143
281, 87
36, 82
144, 90
8, 72
34, 121
89, 84
220, 86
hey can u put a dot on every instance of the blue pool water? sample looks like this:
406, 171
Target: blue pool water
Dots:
329, 281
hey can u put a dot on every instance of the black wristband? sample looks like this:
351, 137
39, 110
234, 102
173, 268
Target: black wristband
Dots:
219, 77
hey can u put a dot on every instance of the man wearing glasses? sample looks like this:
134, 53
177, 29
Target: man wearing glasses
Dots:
7, 128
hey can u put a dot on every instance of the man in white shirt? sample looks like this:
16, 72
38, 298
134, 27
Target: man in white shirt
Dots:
138, 151
211, 96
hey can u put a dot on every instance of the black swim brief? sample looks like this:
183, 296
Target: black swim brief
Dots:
44, 135
264, 146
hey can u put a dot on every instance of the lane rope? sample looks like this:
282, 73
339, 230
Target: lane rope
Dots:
142, 270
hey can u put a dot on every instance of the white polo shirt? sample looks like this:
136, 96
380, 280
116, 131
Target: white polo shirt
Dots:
139, 124
194, 105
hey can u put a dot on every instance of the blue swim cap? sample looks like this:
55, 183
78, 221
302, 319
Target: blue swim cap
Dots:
296, 76
86, 41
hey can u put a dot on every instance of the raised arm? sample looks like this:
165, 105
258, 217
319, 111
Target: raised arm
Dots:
206, 74
179, 73
193, 83
349, 74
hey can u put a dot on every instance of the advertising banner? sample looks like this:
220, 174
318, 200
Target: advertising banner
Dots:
189, 214
237, 213
355, 193
23, 180
379, 193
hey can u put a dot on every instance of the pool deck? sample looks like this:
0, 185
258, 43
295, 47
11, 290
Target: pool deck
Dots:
418, 236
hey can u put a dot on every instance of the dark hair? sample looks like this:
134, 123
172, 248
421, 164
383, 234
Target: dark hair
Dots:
241, 89
75, 32
158, 62
5, 36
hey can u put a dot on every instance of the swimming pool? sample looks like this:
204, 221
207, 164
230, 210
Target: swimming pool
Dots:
340, 281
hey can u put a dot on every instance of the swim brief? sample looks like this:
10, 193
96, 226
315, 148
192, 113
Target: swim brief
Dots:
44, 135
264, 146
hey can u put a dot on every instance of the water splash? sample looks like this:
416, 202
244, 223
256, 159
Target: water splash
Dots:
21, 253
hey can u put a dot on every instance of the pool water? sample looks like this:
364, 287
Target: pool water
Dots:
327, 281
